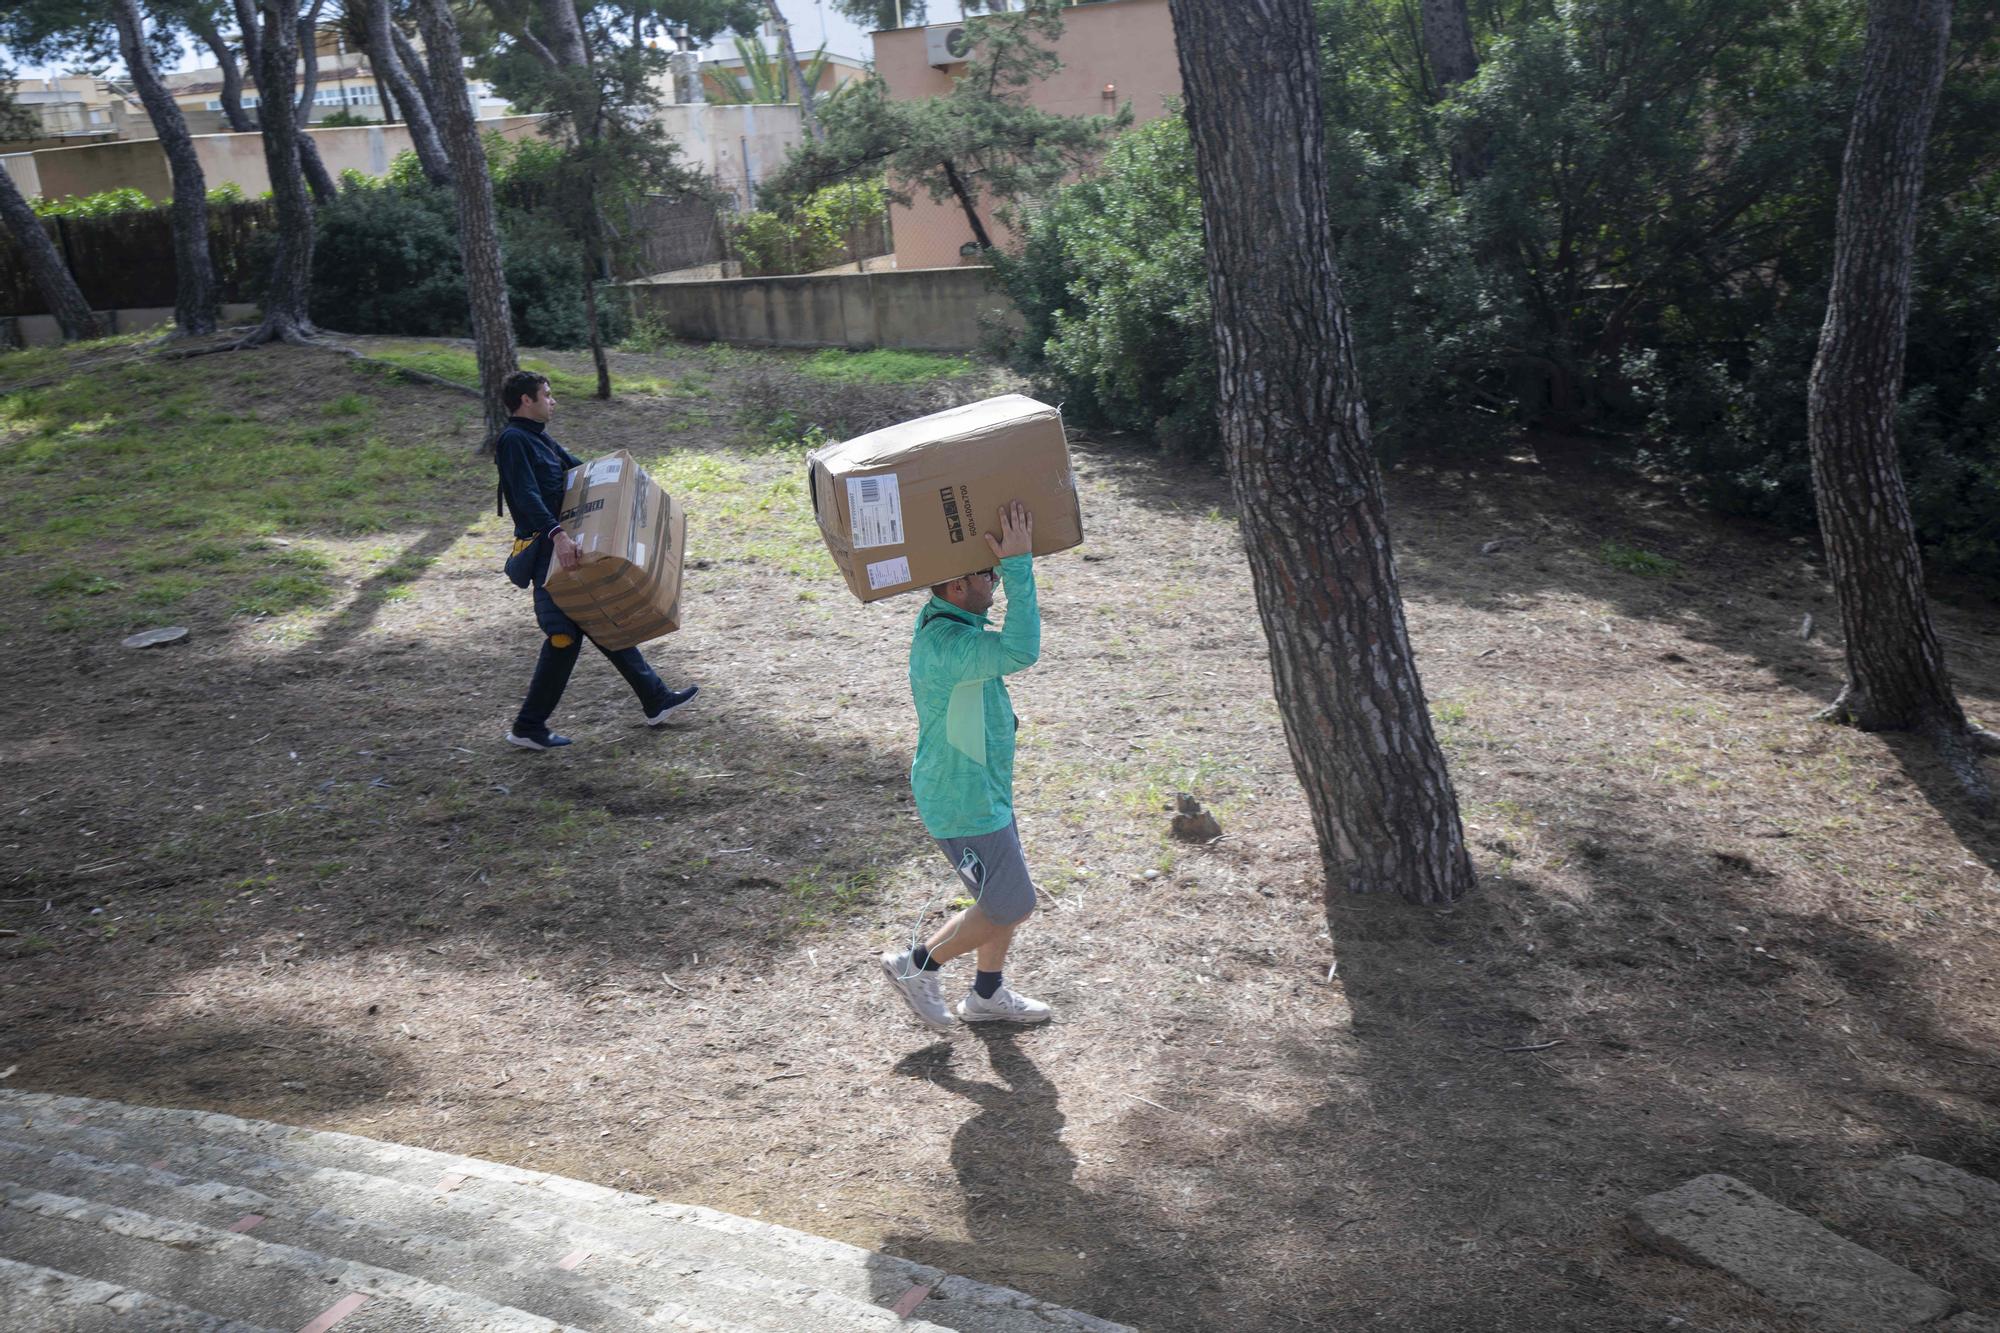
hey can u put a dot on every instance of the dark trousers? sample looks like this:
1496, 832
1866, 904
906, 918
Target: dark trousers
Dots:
552, 669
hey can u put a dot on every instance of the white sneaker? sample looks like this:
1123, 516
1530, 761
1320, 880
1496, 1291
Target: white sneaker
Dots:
1006, 1006
919, 990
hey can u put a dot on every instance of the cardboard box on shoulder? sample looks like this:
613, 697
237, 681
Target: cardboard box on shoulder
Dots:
631, 537
903, 508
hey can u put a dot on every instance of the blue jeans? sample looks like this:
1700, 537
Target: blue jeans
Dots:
552, 668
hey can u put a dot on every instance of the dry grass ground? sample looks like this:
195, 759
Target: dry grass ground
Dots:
287, 869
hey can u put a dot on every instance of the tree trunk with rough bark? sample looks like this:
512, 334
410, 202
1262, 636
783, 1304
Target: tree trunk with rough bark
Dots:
1301, 461
409, 99
325, 189
195, 298
1448, 43
203, 25
1896, 678
45, 264
478, 220
967, 204
567, 44
287, 317
789, 54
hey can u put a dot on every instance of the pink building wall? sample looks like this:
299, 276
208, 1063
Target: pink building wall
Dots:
1128, 44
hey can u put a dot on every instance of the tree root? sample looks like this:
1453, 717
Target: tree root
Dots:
292, 337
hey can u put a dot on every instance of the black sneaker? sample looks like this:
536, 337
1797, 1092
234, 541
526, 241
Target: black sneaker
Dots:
536, 740
673, 699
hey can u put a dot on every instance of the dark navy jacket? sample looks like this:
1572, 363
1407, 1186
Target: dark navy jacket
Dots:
533, 468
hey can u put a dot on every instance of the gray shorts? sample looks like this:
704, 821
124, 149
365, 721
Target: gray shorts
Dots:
994, 869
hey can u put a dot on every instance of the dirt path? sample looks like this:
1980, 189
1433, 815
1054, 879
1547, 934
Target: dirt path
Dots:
287, 870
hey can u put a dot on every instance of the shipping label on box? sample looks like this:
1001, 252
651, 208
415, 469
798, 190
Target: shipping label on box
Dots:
903, 508
631, 539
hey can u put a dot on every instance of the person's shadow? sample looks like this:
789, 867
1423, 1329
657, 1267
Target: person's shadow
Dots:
1030, 1225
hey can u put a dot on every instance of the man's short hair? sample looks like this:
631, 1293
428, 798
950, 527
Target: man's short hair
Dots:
521, 384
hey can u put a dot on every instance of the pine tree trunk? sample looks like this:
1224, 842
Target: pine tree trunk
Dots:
195, 298
1448, 42
597, 356
311, 165
286, 314
1896, 678
569, 46
409, 99
478, 221
789, 54
45, 264
203, 25
1301, 461
967, 204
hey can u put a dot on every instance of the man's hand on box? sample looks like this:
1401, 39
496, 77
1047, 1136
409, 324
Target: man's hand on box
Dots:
1017, 532
566, 553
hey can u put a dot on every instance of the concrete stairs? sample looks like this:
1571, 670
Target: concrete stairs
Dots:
126, 1218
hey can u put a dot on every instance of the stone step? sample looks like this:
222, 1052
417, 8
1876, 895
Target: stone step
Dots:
34, 1298
634, 1243
1790, 1259
207, 1269
382, 1222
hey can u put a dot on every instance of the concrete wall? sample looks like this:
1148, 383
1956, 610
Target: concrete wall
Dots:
227, 158
21, 166
925, 310
1128, 44
43, 331
739, 146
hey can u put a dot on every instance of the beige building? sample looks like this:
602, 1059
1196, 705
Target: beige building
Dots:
1112, 52
74, 109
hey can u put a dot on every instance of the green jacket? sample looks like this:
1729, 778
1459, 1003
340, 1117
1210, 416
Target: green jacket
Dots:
963, 775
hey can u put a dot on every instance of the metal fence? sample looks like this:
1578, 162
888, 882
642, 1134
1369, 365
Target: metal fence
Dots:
126, 260
669, 232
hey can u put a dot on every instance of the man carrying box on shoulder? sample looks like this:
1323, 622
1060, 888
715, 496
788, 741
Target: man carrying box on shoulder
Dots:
963, 776
533, 473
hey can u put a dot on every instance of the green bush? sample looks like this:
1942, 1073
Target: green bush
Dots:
104, 204
820, 233
386, 260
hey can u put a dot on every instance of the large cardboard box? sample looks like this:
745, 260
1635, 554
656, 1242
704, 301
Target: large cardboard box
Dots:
903, 508
631, 537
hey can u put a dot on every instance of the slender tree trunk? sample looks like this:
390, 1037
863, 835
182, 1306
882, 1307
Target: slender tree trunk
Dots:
203, 25
567, 44
789, 54
45, 264
416, 110
968, 204
325, 189
286, 313
195, 298
1300, 457
478, 221
1896, 678
1448, 51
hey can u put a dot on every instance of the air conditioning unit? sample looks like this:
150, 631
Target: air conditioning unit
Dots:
947, 44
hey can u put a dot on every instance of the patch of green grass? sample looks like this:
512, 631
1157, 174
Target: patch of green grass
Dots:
462, 367
1635, 561
883, 365
143, 491
817, 896
168, 590
275, 594
735, 518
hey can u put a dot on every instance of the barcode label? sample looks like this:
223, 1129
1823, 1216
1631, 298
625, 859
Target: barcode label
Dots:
875, 511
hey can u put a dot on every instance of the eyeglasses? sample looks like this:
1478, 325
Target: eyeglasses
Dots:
990, 575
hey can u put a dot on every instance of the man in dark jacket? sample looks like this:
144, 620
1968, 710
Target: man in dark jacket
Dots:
533, 473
